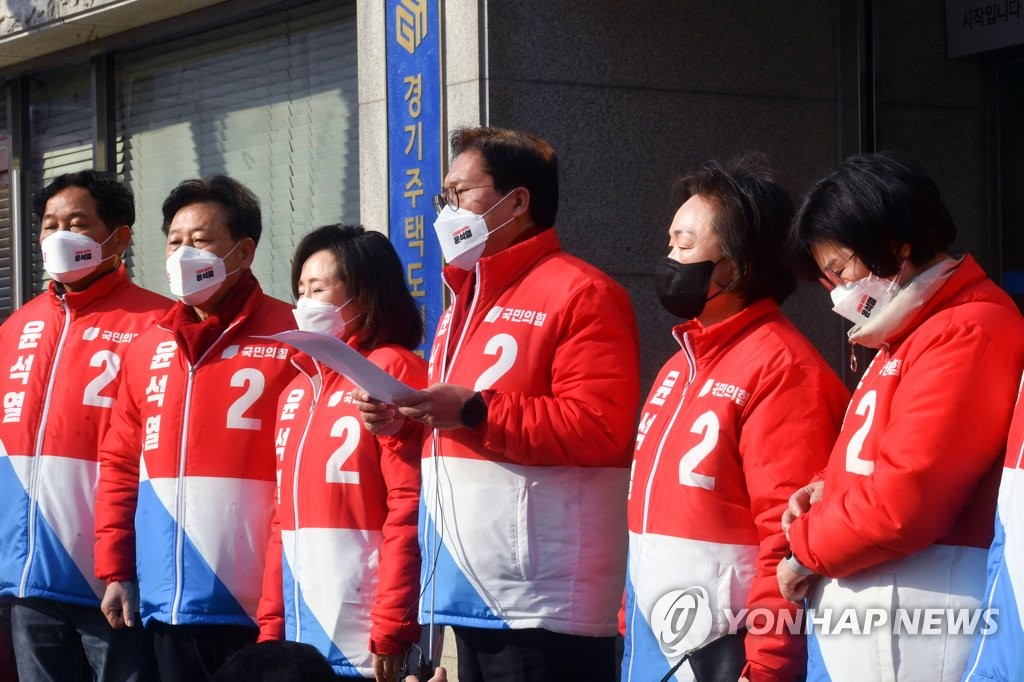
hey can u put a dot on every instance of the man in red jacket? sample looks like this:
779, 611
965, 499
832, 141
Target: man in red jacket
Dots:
535, 383
199, 401
63, 353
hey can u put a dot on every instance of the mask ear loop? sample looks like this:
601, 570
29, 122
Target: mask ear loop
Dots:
721, 289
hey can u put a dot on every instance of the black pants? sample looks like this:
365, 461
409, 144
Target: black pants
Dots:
193, 653
58, 642
533, 656
8, 671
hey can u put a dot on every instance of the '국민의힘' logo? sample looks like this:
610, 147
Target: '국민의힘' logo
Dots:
681, 620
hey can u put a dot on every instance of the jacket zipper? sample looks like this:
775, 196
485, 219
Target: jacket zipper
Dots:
295, 502
692, 361
435, 437
445, 369
179, 540
40, 434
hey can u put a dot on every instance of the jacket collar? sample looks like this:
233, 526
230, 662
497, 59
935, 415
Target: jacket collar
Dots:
197, 337
495, 273
708, 342
98, 290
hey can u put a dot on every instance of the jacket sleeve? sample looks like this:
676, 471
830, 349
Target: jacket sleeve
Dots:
929, 460
393, 616
270, 613
117, 490
786, 437
588, 419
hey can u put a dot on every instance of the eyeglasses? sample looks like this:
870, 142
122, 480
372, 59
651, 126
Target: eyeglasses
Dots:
834, 275
449, 196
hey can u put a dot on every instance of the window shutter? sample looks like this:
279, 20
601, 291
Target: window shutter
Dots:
60, 138
274, 105
6, 245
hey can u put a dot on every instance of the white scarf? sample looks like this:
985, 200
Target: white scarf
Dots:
903, 308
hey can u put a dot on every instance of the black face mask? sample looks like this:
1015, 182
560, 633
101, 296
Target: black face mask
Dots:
682, 288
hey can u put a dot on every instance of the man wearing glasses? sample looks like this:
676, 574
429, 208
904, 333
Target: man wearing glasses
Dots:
535, 384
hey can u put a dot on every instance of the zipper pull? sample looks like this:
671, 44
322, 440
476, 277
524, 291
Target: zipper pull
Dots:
853, 359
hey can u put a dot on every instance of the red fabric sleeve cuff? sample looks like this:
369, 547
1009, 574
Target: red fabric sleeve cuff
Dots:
389, 646
120, 579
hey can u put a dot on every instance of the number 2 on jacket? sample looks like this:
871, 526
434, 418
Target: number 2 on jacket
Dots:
347, 428
506, 348
854, 464
708, 426
111, 364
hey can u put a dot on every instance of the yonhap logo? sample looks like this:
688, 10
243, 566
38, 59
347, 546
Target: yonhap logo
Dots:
682, 620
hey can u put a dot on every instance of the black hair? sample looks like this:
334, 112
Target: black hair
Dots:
513, 159
241, 205
752, 210
373, 274
115, 202
276, 661
873, 204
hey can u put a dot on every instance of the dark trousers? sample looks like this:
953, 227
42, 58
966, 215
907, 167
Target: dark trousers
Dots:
59, 642
8, 670
193, 653
533, 656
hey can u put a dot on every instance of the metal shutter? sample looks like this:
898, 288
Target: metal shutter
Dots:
6, 245
60, 138
274, 106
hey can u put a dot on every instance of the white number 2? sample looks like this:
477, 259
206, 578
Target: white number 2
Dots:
111, 364
706, 425
347, 428
854, 464
506, 348
253, 380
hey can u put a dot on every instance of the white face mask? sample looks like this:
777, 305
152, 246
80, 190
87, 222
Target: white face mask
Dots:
194, 275
463, 234
69, 256
320, 316
864, 299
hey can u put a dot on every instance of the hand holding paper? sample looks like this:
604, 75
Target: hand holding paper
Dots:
347, 361
439, 406
379, 418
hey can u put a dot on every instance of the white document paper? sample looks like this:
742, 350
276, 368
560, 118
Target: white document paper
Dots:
345, 360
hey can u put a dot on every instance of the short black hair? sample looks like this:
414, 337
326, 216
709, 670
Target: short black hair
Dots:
514, 158
115, 202
752, 210
373, 274
873, 204
276, 661
241, 205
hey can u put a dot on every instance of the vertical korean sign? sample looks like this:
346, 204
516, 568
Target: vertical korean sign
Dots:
415, 147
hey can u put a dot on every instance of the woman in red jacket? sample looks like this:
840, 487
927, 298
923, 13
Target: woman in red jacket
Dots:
899, 524
343, 564
743, 412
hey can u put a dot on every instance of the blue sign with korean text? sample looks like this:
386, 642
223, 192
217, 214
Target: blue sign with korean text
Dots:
416, 147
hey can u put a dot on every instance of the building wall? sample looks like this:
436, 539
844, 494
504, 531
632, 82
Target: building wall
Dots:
632, 95
935, 109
